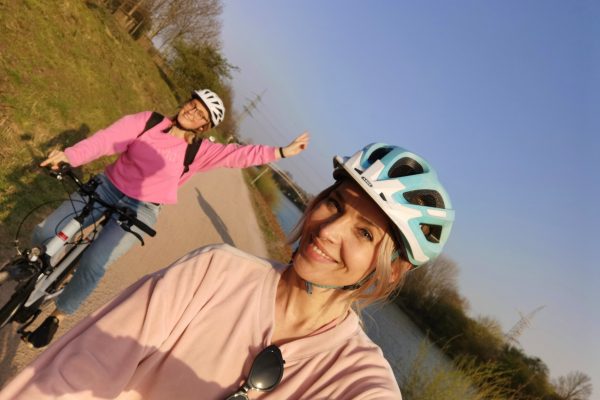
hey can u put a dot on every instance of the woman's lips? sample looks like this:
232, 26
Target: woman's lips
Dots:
316, 253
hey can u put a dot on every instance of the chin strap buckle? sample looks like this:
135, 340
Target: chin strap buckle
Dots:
308, 286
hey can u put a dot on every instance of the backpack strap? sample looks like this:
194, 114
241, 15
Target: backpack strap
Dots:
190, 154
190, 151
154, 120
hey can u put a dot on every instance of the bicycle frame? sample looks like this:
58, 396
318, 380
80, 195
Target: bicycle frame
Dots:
50, 265
67, 255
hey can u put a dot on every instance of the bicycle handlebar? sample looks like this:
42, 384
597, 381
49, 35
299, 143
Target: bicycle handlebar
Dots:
89, 189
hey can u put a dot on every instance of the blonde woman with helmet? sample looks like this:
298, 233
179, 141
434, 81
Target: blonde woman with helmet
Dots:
222, 324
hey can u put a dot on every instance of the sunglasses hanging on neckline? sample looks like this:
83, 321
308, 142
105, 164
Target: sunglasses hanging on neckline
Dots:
265, 374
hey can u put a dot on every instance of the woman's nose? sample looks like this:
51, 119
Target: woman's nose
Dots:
333, 229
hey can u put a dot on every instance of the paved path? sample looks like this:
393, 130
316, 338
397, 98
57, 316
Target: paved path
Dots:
214, 207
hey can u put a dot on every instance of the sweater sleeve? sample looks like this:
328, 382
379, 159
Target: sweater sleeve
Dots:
98, 357
213, 155
111, 140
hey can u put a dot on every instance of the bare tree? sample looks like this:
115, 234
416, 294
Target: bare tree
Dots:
575, 386
190, 20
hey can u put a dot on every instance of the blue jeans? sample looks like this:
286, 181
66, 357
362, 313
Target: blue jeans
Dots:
110, 244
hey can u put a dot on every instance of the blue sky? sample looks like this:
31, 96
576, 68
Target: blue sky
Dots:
498, 96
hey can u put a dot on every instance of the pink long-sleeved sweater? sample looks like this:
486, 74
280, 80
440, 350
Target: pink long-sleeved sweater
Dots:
191, 331
149, 167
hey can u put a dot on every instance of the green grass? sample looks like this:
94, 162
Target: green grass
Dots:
265, 184
66, 70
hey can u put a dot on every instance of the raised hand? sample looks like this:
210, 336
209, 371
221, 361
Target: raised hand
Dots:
297, 146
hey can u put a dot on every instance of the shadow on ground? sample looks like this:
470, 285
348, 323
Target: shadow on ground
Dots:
215, 219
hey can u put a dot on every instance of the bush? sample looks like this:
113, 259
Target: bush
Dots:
467, 380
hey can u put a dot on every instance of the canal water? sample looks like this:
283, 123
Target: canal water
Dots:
399, 338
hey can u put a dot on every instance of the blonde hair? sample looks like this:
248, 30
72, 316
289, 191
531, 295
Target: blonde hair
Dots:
384, 281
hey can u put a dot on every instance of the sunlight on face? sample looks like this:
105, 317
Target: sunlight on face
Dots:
193, 115
340, 237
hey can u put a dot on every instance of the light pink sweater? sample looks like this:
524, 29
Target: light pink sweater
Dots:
149, 167
191, 331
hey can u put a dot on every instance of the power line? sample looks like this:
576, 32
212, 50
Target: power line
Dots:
251, 109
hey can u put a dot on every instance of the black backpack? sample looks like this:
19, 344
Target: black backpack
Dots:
190, 151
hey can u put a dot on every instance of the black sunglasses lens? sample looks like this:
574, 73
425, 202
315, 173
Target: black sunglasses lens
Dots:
238, 396
267, 369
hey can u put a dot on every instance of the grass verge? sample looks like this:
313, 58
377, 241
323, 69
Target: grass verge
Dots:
66, 70
273, 235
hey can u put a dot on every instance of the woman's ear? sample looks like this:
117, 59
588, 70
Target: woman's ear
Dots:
399, 269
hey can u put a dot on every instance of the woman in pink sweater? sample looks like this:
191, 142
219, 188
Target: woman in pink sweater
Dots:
148, 172
222, 324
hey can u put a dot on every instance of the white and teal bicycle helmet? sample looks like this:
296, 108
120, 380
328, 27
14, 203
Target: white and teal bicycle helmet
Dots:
215, 105
407, 189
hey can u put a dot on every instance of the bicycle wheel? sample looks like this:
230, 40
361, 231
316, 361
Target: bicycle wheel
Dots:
12, 296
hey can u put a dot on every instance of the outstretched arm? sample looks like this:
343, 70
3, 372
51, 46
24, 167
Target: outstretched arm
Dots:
111, 140
297, 146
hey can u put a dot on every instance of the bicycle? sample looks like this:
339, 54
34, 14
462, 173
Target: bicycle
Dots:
39, 274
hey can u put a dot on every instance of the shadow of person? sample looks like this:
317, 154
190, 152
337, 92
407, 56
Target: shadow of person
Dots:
26, 186
215, 219
127, 366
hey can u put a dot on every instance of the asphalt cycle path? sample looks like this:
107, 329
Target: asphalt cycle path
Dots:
213, 207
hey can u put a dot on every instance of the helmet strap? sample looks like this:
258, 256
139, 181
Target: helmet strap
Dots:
309, 285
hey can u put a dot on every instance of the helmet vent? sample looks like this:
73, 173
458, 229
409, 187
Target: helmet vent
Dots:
432, 232
379, 154
427, 198
382, 196
404, 167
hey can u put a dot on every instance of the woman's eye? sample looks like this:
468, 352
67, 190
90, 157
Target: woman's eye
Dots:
364, 233
333, 204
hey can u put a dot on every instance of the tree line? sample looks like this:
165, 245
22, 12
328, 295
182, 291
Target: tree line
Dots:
431, 298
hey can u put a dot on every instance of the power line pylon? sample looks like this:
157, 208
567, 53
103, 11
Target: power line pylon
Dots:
247, 110
523, 323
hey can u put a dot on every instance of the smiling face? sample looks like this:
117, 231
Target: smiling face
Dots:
340, 237
194, 116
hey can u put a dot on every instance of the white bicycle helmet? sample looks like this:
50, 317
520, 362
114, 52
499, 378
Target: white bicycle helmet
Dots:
215, 105
407, 189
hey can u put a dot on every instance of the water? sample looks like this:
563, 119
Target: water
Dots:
399, 338
287, 214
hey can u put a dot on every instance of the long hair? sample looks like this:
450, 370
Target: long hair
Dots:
381, 285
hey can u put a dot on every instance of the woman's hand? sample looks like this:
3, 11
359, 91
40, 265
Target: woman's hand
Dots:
54, 159
297, 146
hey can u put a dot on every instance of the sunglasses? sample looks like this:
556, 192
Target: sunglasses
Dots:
265, 374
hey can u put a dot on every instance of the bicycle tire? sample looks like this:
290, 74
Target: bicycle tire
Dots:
12, 306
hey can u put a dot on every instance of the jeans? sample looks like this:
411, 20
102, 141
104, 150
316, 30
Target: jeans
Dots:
110, 244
